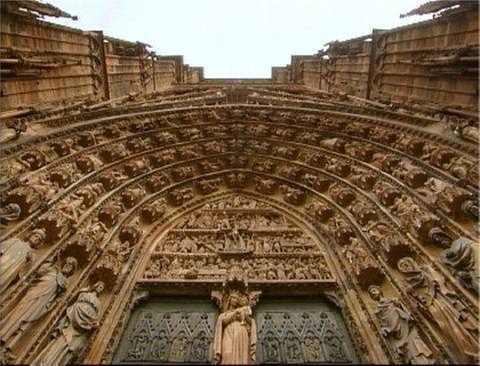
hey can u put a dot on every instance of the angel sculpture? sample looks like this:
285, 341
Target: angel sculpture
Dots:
235, 332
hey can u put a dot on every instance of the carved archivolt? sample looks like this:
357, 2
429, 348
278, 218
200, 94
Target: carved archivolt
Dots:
325, 193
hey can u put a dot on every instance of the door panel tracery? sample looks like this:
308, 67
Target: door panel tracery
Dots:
296, 332
169, 332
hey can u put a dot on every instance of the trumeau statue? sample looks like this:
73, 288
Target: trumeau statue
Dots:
72, 333
17, 254
235, 336
51, 281
398, 326
442, 306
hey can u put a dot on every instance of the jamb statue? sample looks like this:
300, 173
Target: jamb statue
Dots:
458, 327
71, 335
398, 327
16, 255
38, 300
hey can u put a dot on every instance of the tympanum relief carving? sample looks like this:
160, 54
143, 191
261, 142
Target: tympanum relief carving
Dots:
238, 232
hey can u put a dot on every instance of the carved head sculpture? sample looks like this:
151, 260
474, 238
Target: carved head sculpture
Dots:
440, 238
243, 301
235, 300
98, 287
37, 238
28, 158
375, 292
407, 265
70, 266
11, 212
470, 207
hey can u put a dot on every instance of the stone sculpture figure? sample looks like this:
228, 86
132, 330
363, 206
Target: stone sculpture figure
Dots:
12, 130
16, 254
469, 132
398, 326
97, 230
32, 194
313, 348
89, 194
234, 241
51, 281
443, 307
34, 159
73, 330
10, 212
9, 169
459, 167
462, 258
465, 129
187, 245
439, 237
470, 209
235, 332
178, 351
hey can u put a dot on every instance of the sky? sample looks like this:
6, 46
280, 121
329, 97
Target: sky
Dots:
236, 38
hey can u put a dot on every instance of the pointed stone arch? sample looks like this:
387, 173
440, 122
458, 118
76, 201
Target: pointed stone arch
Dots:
311, 284
99, 184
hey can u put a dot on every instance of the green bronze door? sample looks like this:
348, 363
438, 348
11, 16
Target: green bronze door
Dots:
288, 332
299, 332
169, 332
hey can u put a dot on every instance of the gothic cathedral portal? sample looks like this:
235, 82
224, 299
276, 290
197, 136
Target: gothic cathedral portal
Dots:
326, 215
237, 244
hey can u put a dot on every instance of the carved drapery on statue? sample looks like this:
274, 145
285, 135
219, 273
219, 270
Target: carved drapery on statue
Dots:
51, 281
74, 328
235, 339
462, 258
443, 307
398, 326
16, 255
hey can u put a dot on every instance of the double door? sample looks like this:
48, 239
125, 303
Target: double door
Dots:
179, 331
